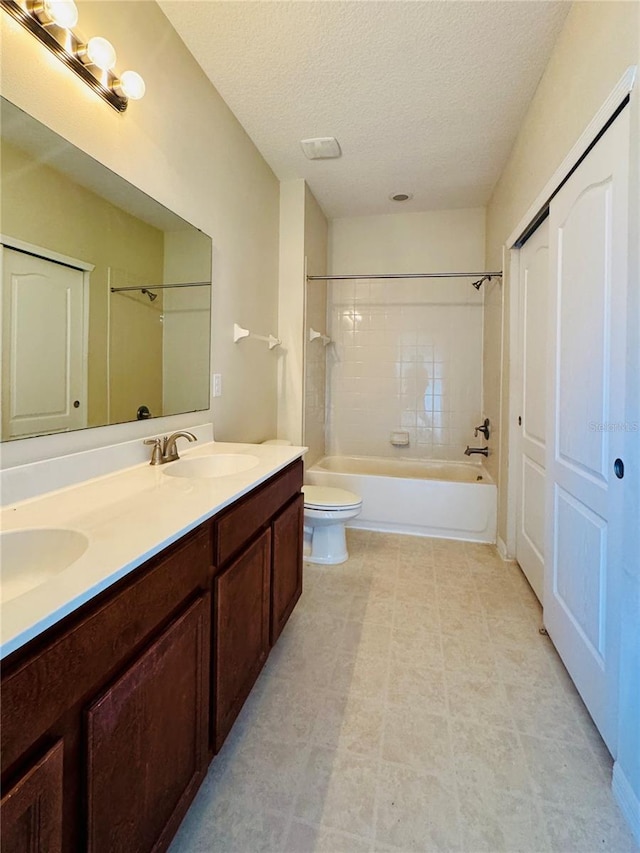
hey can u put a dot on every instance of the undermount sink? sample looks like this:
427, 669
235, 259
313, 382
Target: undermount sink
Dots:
215, 465
29, 558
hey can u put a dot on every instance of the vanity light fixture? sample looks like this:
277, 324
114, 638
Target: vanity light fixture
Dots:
52, 22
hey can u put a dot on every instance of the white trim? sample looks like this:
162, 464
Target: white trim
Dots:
622, 88
502, 549
626, 798
47, 254
501, 401
515, 397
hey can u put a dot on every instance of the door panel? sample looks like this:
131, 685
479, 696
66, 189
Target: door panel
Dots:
147, 740
583, 328
241, 626
286, 576
588, 249
31, 810
533, 502
530, 513
43, 346
581, 537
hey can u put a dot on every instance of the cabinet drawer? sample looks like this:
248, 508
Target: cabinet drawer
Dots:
51, 680
239, 524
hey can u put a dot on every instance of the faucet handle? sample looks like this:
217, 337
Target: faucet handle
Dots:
156, 453
483, 428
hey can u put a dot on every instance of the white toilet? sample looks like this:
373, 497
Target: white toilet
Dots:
326, 509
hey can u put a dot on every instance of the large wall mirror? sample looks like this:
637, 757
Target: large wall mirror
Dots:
106, 294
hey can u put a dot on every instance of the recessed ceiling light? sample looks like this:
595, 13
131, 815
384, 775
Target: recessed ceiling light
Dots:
321, 148
401, 196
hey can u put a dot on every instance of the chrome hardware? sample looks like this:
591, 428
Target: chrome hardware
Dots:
482, 450
483, 428
164, 449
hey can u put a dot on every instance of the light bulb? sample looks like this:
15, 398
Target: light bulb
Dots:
62, 13
130, 85
98, 52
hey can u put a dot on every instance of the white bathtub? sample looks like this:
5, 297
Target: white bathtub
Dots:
453, 500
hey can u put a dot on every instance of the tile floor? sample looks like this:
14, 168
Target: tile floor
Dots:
410, 704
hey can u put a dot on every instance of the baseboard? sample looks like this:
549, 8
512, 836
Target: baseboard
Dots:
502, 551
627, 799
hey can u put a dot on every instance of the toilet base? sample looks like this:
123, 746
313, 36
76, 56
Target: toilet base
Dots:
328, 545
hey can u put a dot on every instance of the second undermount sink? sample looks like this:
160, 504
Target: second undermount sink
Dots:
214, 465
29, 558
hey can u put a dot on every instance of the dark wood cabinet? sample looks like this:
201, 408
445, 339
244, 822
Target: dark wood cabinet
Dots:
241, 631
31, 810
147, 740
48, 685
140, 686
286, 572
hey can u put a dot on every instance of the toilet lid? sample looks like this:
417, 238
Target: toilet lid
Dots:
319, 497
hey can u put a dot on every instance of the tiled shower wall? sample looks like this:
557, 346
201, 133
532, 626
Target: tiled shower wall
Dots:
405, 355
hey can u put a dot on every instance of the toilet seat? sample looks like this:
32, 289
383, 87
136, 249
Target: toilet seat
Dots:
329, 498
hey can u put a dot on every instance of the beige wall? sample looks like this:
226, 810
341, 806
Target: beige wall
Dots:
303, 235
598, 42
43, 206
316, 232
181, 145
436, 241
291, 312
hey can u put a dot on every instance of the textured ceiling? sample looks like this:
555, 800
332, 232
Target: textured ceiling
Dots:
424, 96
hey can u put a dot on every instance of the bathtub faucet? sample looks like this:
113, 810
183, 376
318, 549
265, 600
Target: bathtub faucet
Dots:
483, 450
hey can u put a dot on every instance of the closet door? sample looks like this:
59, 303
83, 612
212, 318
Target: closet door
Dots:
530, 509
588, 231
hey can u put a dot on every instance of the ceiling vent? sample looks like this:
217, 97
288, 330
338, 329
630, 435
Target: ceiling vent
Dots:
321, 148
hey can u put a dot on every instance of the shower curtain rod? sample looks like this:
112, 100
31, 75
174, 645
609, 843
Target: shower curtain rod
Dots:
406, 275
162, 286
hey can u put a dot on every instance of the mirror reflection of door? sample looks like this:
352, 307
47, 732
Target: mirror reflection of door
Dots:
44, 339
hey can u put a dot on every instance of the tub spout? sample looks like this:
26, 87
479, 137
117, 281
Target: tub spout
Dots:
483, 450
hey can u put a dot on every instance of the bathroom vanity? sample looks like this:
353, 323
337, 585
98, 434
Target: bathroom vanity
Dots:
111, 715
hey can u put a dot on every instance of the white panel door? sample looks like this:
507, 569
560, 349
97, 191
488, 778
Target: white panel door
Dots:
42, 346
530, 508
588, 231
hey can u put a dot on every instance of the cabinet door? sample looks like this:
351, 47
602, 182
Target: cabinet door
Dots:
241, 631
31, 810
147, 740
286, 578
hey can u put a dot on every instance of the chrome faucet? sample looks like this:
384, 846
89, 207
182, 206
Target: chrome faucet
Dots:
164, 449
483, 450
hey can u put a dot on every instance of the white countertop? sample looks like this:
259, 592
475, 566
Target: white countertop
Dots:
128, 517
